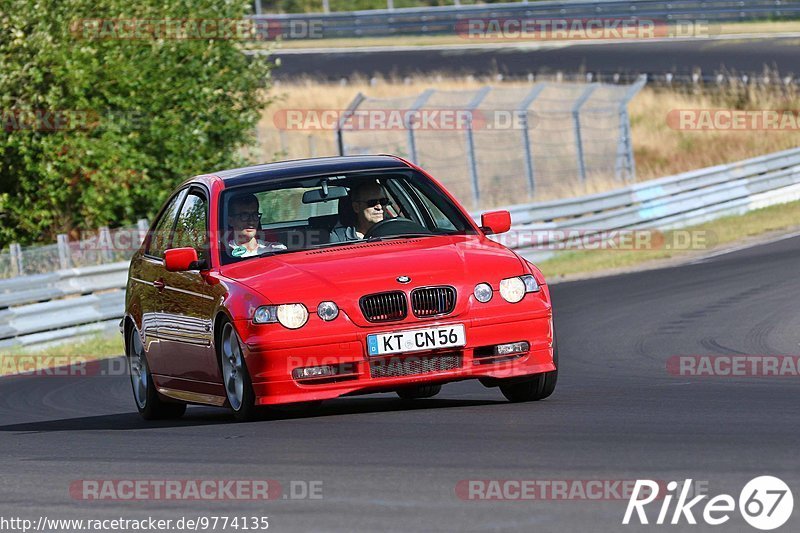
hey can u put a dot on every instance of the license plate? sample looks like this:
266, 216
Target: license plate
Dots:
416, 340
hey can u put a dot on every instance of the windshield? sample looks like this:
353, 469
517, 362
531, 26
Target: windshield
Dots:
310, 213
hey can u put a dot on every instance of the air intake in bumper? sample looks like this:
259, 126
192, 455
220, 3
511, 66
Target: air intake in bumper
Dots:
391, 367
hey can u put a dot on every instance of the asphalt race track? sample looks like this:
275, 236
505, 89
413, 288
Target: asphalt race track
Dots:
681, 58
386, 464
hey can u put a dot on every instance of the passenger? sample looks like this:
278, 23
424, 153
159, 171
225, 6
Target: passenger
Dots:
245, 220
368, 202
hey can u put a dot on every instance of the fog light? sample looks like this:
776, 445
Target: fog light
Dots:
313, 372
514, 347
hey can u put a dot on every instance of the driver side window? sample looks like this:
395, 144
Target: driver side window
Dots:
161, 234
191, 229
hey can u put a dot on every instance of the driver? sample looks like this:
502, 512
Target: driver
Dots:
368, 201
245, 220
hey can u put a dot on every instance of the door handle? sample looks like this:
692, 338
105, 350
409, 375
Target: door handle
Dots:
159, 284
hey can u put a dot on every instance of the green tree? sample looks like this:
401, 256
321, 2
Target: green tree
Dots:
99, 128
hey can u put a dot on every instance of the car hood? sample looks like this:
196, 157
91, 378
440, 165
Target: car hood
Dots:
345, 273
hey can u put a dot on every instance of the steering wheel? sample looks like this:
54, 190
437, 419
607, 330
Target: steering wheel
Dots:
395, 226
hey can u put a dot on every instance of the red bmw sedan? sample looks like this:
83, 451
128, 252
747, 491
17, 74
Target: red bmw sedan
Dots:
302, 281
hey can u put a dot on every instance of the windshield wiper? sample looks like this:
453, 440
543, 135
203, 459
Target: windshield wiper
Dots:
400, 236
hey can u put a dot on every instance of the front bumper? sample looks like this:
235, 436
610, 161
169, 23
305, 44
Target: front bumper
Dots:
271, 361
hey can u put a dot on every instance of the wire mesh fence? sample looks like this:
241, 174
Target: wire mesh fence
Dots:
97, 247
490, 146
495, 146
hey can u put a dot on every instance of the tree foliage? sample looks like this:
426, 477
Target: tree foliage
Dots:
97, 131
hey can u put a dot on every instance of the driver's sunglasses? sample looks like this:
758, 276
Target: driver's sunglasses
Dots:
247, 216
375, 201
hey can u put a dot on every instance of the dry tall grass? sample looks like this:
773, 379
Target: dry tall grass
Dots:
659, 149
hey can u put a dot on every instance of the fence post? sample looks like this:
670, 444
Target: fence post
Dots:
522, 113
17, 265
625, 162
473, 162
284, 144
312, 146
64, 256
576, 119
104, 240
347, 114
409, 123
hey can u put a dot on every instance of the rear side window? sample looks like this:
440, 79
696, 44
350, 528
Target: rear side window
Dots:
162, 230
191, 228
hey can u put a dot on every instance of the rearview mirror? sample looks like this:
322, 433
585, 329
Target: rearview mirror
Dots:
318, 195
496, 222
180, 259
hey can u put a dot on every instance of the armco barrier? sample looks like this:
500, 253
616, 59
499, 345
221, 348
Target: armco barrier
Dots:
667, 203
61, 305
445, 19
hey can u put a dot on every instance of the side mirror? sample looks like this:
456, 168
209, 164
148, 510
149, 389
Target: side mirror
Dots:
180, 259
496, 222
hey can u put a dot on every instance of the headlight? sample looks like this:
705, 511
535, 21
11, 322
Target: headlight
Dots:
266, 314
327, 311
483, 292
531, 285
291, 316
512, 289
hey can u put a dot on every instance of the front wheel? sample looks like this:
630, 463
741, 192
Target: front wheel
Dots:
538, 388
236, 379
148, 402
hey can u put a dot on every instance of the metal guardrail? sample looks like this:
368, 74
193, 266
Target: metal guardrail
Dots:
445, 19
666, 203
65, 304
44, 307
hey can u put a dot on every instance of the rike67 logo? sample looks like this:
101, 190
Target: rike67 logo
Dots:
765, 503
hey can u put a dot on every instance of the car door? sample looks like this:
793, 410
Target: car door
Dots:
186, 328
148, 275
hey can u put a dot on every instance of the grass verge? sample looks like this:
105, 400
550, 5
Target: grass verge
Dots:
16, 360
717, 233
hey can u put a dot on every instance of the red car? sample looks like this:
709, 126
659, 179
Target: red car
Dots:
306, 280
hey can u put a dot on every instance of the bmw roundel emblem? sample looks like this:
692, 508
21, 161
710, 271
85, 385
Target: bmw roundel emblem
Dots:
403, 279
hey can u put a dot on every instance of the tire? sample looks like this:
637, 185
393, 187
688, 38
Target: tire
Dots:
538, 388
235, 377
148, 402
420, 391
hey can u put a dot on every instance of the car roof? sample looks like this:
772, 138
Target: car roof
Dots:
308, 167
